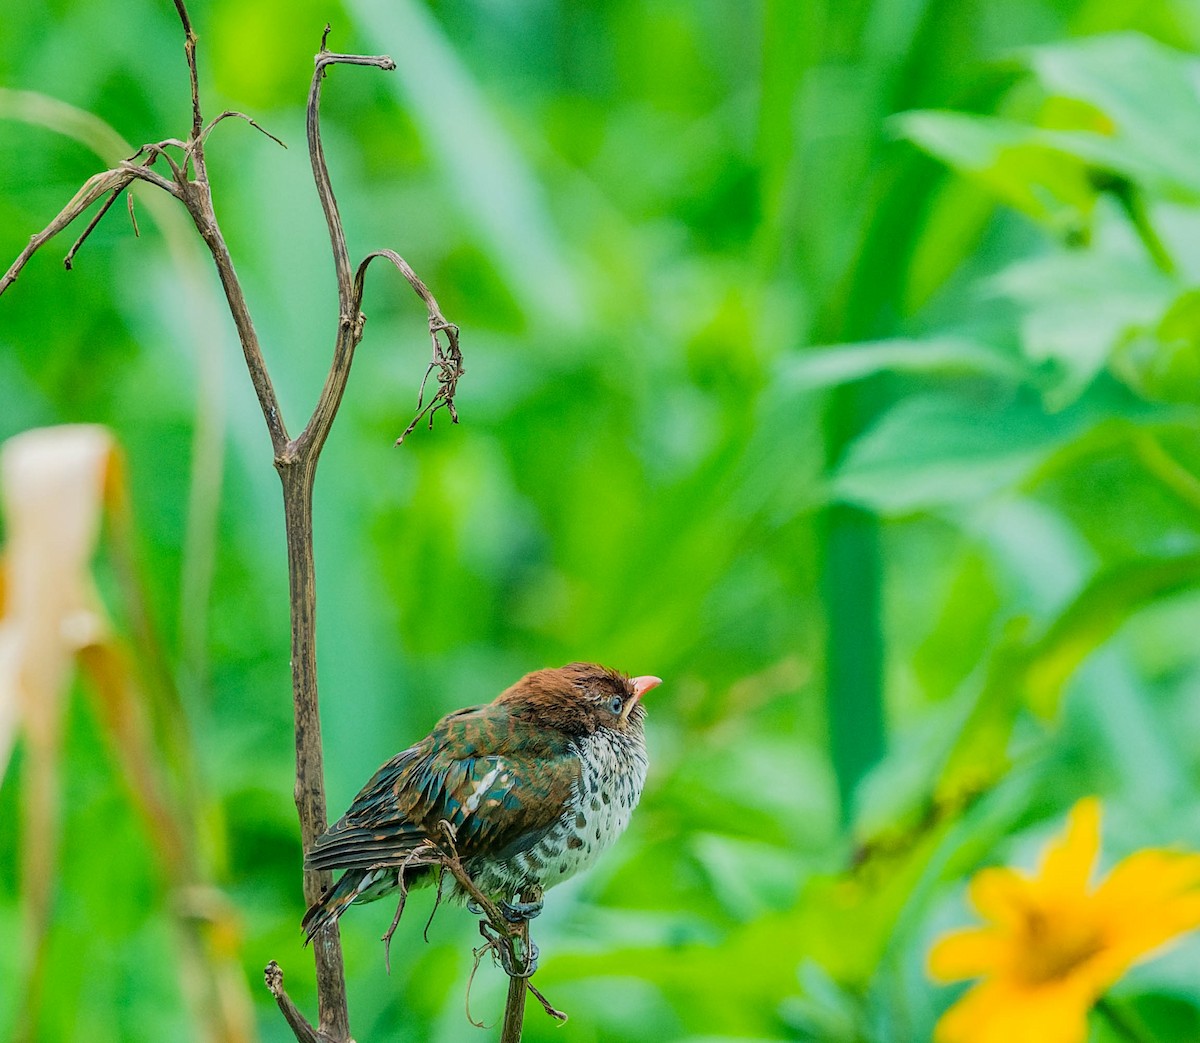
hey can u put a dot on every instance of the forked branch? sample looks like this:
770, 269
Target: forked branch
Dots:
295, 459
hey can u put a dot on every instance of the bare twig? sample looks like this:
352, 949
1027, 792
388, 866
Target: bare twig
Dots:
553, 1011
350, 316
387, 935
301, 1029
189, 49
402, 884
231, 114
477, 958
337, 237
437, 901
132, 216
447, 361
156, 149
507, 941
96, 187
69, 259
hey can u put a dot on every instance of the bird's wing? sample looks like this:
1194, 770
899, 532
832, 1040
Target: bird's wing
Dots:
497, 781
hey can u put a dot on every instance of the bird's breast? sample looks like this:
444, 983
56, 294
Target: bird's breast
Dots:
612, 773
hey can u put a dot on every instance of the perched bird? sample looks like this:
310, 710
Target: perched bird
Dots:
535, 785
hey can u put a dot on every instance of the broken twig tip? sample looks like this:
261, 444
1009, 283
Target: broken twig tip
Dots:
559, 1016
132, 216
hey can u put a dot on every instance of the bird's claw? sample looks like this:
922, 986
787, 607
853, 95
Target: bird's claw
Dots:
530, 963
510, 955
474, 908
517, 912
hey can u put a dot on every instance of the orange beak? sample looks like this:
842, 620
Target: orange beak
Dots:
641, 685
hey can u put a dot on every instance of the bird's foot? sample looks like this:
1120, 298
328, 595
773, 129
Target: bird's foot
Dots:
515, 963
516, 912
474, 908
528, 965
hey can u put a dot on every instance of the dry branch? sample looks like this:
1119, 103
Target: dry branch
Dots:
295, 459
301, 1029
96, 187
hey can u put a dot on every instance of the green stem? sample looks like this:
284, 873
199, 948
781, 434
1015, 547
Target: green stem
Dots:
1169, 471
853, 647
1124, 1023
1133, 202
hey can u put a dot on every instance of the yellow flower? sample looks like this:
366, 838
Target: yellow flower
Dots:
1052, 944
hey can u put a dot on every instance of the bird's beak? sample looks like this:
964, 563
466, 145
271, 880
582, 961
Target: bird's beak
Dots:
641, 685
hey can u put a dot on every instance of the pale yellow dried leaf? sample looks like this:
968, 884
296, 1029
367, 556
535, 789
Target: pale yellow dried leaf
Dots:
52, 486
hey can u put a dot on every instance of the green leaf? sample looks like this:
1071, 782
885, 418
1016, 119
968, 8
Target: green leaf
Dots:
940, 449
1135, 117
1019, 165
816, 368
1076, 307
1148, 93
937, 449
1162, 362
1034, 672
1094, 616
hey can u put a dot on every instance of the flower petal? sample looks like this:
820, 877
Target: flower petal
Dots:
1001, 895
966, 954
1149, 877
1149, 898
1001, 1012
1069, 860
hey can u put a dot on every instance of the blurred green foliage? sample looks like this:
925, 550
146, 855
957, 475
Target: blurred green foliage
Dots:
804, 341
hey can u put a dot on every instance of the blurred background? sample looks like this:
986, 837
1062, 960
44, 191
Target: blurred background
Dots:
837, 362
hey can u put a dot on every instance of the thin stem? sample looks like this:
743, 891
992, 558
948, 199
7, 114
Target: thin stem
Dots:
96, 187
515, 937
1169, 471
232, 114
297, 478
189, 49
69, 260
547, 1006
316, 151
350, 317
1133, 202
446, 361
514, 1004
199, 203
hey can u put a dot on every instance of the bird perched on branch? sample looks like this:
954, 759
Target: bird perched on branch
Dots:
534, 786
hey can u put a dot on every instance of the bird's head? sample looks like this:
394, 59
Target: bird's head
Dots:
580, 698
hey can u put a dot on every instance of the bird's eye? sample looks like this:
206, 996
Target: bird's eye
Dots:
616, 704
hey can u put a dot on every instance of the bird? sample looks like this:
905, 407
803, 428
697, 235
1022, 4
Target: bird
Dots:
534, 785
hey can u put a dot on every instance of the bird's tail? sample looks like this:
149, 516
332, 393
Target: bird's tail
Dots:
333, 902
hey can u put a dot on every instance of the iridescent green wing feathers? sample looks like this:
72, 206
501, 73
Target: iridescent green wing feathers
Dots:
496, 779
